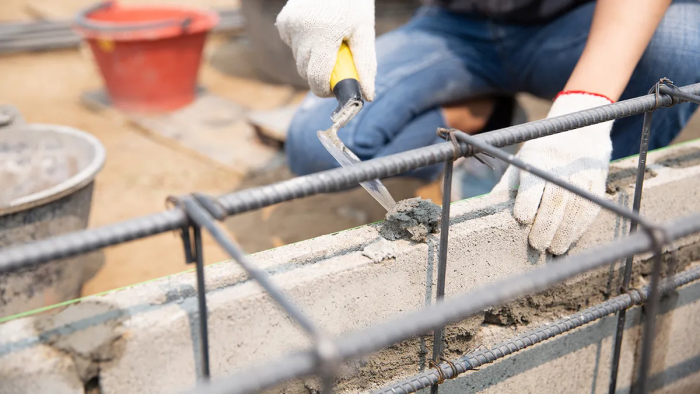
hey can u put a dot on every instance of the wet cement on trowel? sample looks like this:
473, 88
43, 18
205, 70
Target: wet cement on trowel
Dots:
413, 219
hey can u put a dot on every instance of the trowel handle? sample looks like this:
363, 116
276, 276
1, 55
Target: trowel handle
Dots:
345, 83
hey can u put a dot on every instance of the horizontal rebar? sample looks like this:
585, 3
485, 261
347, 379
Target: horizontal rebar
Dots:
341, 178
72, 244
590, 196
58, 34
379, 336
680, 95
478, 358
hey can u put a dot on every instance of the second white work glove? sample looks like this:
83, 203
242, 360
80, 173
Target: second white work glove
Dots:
580, 157
314, 29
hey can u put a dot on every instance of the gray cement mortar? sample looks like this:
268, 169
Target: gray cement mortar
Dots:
681, 158
413, 218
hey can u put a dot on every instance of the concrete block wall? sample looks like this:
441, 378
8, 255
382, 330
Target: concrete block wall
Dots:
146, 336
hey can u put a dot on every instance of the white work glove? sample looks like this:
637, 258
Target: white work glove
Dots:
580, 157
314, 29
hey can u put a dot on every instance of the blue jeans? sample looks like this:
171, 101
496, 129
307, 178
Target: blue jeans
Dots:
439, 57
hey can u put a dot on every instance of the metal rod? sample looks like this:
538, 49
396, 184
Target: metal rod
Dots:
410, 324
202, 303
547, 331
681, 95
438, 334
636, 205
72, 244
649, 333
202, 218
604, 203
37, 36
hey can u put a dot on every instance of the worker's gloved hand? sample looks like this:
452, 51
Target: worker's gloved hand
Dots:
314, 29
580, 157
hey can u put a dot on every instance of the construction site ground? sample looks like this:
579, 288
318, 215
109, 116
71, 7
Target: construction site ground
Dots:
142, 171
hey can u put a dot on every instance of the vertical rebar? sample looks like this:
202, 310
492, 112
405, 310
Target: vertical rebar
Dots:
202, 303
652, 305
636, 205
648, 335
196, 209
442, 259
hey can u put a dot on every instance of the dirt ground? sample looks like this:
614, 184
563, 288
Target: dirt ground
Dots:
141, 172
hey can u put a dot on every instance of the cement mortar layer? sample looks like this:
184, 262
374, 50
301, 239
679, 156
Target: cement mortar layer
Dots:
146, 336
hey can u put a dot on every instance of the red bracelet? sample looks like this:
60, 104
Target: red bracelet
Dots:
565, 92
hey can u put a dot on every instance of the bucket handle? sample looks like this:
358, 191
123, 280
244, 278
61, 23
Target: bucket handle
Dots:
82, 21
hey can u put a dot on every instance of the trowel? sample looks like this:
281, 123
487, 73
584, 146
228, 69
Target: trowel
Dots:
346, 88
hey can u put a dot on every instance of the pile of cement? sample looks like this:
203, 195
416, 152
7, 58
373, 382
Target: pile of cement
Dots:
413, 219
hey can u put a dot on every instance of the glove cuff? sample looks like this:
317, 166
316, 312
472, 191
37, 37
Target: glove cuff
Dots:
569, 101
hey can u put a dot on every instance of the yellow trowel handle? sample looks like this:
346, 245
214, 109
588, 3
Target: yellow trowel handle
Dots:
345, 83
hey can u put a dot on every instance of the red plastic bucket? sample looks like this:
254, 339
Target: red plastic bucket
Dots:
149, 56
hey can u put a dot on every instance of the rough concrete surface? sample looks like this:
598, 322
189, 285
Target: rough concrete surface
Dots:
413, 218
147, 336
380, 250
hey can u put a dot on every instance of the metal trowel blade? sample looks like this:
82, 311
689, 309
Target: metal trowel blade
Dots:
344, 156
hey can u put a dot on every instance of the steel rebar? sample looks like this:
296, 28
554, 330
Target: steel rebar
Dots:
202, 302
46, 35
72, 244
442, 259
684, 96
511, 159
648, 334
627, 276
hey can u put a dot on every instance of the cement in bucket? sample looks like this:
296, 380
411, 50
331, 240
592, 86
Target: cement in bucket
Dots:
47, 174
